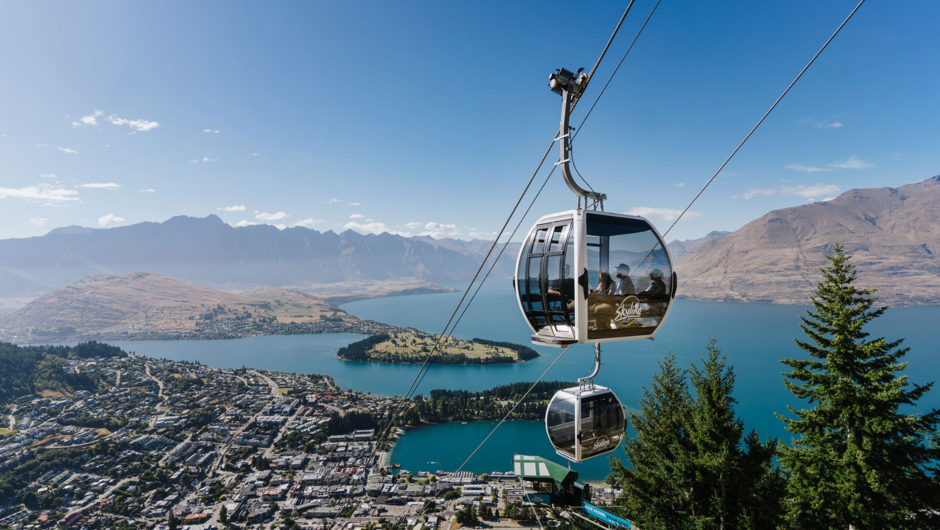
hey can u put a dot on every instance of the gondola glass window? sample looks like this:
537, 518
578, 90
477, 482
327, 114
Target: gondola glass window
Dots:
629, 277
602, 425
546, 283
560, 422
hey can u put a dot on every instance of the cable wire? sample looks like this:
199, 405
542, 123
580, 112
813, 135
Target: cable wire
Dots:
513, 408
764, 116
611, 39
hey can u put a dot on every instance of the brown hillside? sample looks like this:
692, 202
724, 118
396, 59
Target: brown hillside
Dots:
893, 234
146, 300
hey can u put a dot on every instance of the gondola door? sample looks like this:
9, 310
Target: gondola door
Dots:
546, 282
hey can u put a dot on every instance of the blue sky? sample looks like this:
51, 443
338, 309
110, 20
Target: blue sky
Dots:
429, 117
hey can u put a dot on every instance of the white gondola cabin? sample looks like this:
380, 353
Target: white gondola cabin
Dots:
586, 277
584, 422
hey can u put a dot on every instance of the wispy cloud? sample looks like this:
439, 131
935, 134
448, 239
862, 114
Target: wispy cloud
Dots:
252, 154
48, 176
243, 223
852, 163
373, 228
354, 204
805, 169
666, 214
753, 192
204, 159
810, 192
91, 119
211, 131
236, 208
831, 123
40, 192
42, 145
67, 150
264, 216
38, 221
148, 190
438, 230
679, 184
101, 185
356, 216
413, 225
110, 220
137, 125
307, 223
331, 201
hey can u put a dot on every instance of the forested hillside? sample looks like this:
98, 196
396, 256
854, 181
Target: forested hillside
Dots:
460, 405
31, 369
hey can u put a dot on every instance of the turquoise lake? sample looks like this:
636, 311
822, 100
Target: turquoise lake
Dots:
753, 336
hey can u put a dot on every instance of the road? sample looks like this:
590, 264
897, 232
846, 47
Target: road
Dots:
13, 418
159, 406
275, 391
117, 383
104, 494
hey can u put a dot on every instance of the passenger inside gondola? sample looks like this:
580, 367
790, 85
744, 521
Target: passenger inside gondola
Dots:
624, 284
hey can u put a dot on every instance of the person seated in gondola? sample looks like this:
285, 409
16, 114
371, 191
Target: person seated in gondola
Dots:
605, 284
656, 288
625, 284
555, 286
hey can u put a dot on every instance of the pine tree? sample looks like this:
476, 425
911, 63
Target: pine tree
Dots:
857, 460
657, 485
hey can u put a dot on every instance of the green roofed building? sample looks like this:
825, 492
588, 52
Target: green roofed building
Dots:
551, 483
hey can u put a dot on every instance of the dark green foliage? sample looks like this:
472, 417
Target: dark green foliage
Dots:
359, 351
857, 460
31, 369
690, 465
525, 353
86, 420
352, 421
90, 349
461, 405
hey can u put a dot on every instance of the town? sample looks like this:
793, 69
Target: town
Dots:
176, 445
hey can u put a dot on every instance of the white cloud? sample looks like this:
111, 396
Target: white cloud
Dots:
41, 192
42, 145
833, 125
372, 228
76, 124
48, 176
309, 222
280, 226
233, 208
478, 234
264, 216
137, 125
356, 216
810, 192
241, 224
852, 163
88, 120
331, 201
354, 204
110, 220
413, 225
680, 184
805, 169
66, 150
37, 221
207, 159
253, 154
752, 192
101, 185
666, 214
438, 230
210, 131
149, 190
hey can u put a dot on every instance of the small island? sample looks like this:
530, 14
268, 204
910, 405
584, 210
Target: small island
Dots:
412, 347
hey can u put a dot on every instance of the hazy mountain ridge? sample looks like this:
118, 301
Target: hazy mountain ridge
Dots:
100, 304
678, 248
893, 234
208, 252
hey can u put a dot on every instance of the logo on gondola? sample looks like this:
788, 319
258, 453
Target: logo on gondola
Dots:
601, 443
630, 308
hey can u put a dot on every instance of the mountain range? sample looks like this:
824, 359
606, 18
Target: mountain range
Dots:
893, 235
208, 252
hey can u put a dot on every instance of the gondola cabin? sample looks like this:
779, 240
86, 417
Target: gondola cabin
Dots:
584, 422
588, 277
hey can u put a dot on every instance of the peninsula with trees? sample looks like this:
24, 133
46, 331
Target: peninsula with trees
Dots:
413, 346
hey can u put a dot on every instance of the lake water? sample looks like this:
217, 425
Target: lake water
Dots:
753, 336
